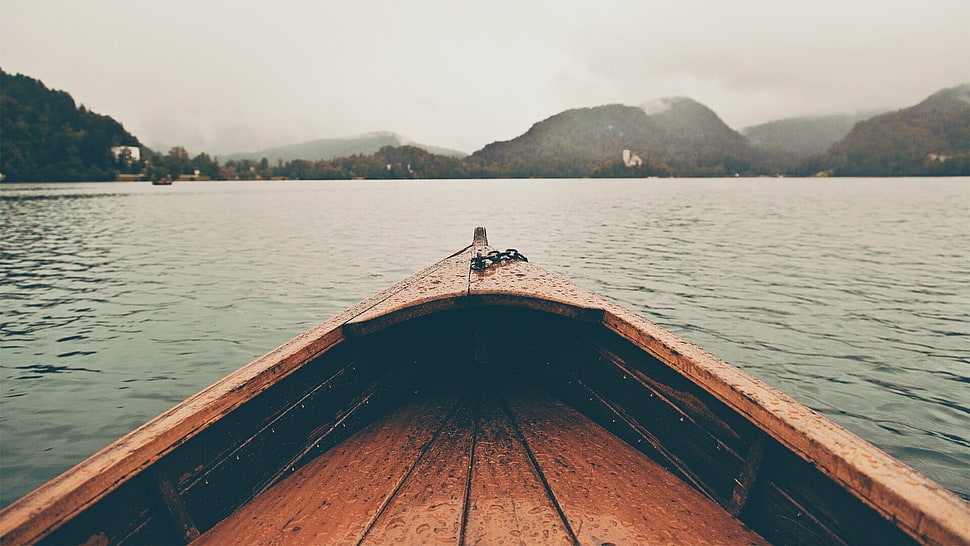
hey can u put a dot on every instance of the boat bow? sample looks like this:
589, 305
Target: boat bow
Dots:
632, 374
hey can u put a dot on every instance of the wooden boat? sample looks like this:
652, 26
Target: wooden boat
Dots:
485, 400
163, 181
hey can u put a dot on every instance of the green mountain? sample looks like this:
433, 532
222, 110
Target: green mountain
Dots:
802, 137
45, 137
673, 135
331, 148
929, 139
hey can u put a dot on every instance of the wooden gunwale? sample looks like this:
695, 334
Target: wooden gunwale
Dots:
52, 504
920, 507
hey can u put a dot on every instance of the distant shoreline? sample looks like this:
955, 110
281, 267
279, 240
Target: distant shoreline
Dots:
224, 181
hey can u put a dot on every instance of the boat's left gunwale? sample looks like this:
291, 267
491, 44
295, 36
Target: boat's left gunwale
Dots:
52, 504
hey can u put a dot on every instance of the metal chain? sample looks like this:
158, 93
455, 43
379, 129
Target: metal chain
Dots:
480, 263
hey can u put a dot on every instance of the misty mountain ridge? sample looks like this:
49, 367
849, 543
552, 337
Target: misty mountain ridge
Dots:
677, 132
952, 98
686, 117
802, 137
782, 141
679, 118
331, 148
682, 137
931, 138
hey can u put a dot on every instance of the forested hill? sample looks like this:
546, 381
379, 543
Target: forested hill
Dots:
672, 136
46, 137
931, 138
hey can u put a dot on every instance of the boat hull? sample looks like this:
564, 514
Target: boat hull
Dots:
776, 468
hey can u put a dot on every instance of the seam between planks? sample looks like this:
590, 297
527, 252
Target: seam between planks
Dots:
535, 465
471, 466
417, 460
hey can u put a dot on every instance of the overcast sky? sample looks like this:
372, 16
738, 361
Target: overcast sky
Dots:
223, 76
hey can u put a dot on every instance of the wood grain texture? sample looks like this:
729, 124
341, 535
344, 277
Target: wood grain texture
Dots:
470, 476
609, 491
508, 503
428, 506
335, 498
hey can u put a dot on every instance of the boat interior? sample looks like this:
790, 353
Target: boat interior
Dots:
485, 424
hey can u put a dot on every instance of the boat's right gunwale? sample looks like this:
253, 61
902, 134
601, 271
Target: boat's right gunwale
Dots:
924, 509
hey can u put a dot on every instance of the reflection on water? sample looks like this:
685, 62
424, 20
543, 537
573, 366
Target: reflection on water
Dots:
120, 300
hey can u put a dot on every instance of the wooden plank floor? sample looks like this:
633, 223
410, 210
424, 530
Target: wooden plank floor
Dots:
490, 465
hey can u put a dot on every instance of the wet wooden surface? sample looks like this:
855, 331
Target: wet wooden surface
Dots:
488, 467
492, 464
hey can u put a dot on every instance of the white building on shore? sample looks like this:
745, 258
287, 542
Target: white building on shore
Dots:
630, 159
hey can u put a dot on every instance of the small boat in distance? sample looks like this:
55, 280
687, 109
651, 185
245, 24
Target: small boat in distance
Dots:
485, 400
163, 181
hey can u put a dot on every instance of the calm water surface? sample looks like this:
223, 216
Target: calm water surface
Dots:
120, 300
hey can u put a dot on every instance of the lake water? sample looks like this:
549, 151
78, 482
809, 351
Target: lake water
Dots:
120, 300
